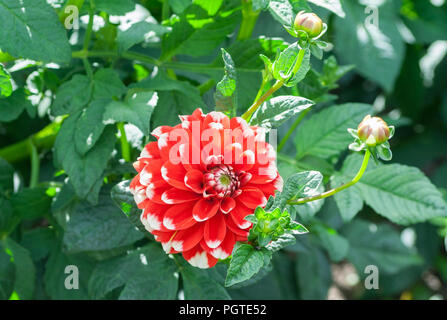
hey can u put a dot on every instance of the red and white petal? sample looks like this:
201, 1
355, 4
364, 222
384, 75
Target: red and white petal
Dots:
252, 197
199, 258
179, 216
175, 196
151, 172
186, 239
264, 174
154, 213
227, 204
226, 247
174, 174
194, 180
204, 209
234, 228
165, 238
150, 151
238, 215
214, 231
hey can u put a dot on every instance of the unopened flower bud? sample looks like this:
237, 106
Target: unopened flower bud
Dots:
308, 22
373, 131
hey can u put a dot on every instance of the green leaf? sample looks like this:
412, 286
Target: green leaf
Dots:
199, 287
86, 171
136, 110
124, 199
72, 96
282, 11
98, 227
314, 274
139, 32
277, 110
180, 96
6, 176
283, 241
379, 245
283, 65
115, 7
332, 5
246, 261
260, 4
12, 107
31, 29
400, 193
145, 273
349, 201
7, 274
108, 85
377, 52
324, 134
5, 82
178, 6
426, 21
301, 185
25, 271
89, 126
39, 242
197, 32
225, 95
336, 245
31, 203
55, 276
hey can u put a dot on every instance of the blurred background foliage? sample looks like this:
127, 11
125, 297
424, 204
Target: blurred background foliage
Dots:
46, 222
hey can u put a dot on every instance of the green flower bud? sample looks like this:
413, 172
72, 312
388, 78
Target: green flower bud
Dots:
308, 22
373, 131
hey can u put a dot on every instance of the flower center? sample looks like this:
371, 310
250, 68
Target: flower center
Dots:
221, 181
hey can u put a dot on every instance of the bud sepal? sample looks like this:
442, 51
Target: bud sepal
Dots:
373, 134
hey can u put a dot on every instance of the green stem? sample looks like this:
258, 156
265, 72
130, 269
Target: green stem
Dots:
35, 164
292, 128
125, 147
165, 11
278, 84
88, 32
87, 39
247, 115
249, 18
338, 189
185, 66
44, 139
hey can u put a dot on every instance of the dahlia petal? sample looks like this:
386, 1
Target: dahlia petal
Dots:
252, 197
264, 174
154, 192
238, 215
151, 172
174, 174
227, 204
194, 180
199, 258
154, 213
234, 228
204, 209
150, 151
179, 216
214, 231
186, 239
226, 247
215, 117
245, 161
174, 196
165, 238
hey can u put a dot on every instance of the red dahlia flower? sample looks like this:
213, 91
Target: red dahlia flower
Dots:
199, 181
